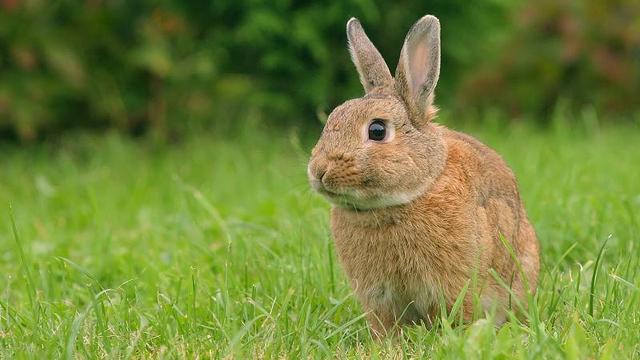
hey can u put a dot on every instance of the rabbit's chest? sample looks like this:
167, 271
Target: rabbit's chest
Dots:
391, 270
402, 265
393, 255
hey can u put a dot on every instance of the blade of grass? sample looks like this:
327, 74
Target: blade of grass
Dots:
594, 276
31, 288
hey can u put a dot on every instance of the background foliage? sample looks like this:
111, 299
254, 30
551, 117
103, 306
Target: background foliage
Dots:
215, 246
586, 53
166, 65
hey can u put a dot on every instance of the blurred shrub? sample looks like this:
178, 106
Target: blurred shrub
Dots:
168, 65
127, 65
164, 65
581, 53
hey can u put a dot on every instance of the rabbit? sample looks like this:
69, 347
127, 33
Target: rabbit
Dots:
419, 212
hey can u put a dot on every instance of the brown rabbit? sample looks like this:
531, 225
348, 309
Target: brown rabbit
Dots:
420, 211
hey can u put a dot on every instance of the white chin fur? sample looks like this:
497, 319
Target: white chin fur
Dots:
356, 202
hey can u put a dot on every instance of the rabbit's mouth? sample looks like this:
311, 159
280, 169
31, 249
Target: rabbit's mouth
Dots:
343, 200
331, 194
336, 197
352, 200
362, 200
362, 197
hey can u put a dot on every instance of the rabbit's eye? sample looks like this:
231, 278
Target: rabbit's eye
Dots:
377, 130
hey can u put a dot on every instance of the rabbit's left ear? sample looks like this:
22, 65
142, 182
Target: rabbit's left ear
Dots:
374, 72
419, 67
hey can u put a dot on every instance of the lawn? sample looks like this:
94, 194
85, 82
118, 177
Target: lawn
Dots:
215, 246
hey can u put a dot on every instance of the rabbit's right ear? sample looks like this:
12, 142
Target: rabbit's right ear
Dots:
419, 67
374, 72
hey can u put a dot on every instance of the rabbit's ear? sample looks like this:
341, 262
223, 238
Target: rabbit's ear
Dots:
419, 67
373, 71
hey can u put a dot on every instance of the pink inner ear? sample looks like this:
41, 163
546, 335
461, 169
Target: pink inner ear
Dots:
418, 64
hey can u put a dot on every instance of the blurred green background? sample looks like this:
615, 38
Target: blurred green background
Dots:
165, 67
153, 174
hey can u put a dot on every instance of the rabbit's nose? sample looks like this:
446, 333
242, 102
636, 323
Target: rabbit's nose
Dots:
317, 171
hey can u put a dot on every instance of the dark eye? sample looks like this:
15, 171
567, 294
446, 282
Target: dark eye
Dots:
377, 130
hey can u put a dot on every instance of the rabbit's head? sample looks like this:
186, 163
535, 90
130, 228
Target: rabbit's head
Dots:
382, 149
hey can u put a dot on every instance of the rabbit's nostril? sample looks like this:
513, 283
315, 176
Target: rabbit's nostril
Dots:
321, 174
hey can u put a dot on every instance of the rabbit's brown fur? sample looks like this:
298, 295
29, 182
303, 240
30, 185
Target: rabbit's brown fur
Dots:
420, 214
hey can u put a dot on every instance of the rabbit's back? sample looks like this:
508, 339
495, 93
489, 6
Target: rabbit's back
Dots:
507, 224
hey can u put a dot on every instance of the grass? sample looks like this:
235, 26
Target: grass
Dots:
216, 247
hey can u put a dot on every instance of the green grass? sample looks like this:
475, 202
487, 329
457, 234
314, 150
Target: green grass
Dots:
215, 247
